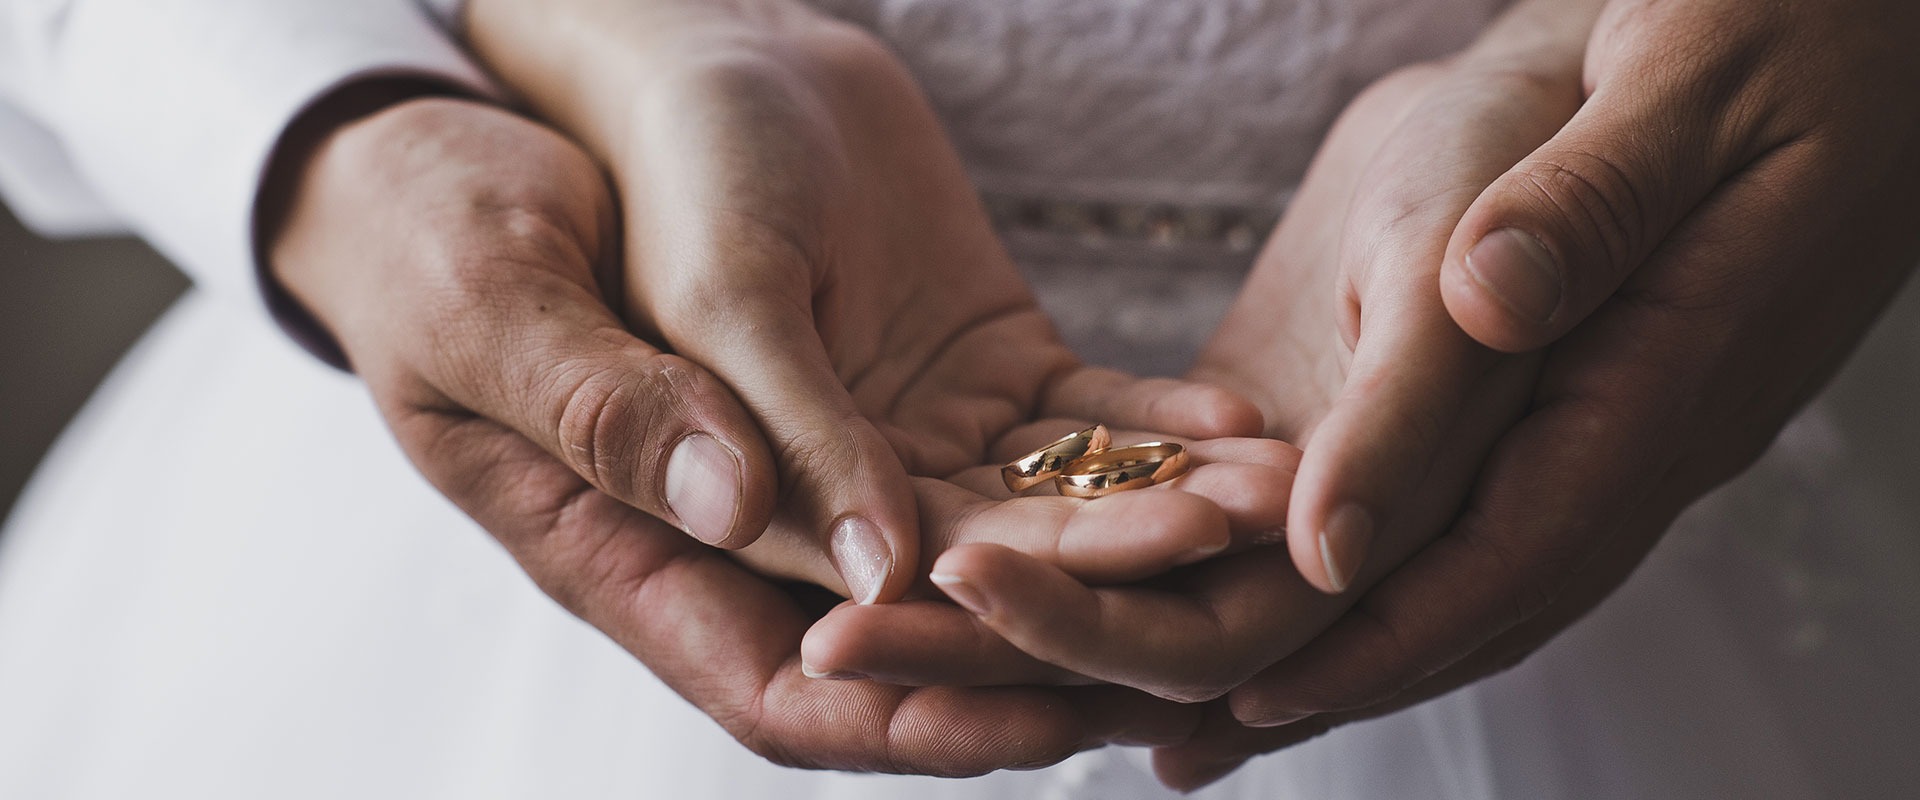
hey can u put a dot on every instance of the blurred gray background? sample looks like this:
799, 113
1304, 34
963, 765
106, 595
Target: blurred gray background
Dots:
68, 310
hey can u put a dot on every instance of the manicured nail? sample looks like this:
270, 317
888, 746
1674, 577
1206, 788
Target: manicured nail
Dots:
1519, 272
863, 558
1343, 544
966, 594
703, 487
836, 675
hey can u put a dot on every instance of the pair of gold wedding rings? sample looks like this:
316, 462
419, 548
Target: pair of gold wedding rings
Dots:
1086, 464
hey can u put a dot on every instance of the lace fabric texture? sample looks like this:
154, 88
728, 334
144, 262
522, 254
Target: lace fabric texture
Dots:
1186, 121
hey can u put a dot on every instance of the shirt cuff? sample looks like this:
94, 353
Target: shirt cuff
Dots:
172, 109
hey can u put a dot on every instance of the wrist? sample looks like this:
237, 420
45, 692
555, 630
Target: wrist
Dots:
280, 185
296, 285
585, 65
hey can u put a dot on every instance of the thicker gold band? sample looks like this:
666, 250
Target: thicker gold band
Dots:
1124, 469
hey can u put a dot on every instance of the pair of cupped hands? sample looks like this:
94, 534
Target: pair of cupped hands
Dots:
1528, 304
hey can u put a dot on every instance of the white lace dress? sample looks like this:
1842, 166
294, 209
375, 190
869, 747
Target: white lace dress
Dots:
227, 582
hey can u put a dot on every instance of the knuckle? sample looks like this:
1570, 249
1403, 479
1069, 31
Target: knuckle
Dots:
819, 446
753, 726
1591, 201
614, 423
773, 752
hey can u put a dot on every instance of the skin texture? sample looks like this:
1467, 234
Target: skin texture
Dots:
800, 182
1324, 326
797, 223
452, 247
465, 259
1727, 234
1731, 209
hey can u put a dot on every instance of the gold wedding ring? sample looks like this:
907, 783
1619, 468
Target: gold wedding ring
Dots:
1124, 469
1040, 465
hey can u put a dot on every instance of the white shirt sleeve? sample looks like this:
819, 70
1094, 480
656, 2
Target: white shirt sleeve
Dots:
168, 110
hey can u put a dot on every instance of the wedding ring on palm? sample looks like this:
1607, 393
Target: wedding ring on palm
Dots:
1084, 464
1124, 469
1048, 462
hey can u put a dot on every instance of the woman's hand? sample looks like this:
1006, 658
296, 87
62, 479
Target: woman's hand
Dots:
1704, 244
452, 249
797, 223
1339, 336
466, 260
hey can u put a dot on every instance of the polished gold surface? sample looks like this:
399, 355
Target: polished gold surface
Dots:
1124, 469
1040, 465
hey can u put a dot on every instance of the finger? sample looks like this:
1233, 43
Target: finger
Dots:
650, 429
916, 644
1220, 746
1223, 742
1413, 370
921, 643
1118, 715
881, 642
1124, 537
728, 641
841, 478
1398, 412
1549, 497
1180, 646
1559, 233
498, 310
1618, 400
1247, 479
1174, 407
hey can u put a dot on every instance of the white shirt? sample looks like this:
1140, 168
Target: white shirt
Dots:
209, 85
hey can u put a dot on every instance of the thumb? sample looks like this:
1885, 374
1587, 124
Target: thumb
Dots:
1558, 234
650, 429
840, 477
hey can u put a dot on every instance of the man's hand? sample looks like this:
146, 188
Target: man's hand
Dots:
452, 248
1706, 241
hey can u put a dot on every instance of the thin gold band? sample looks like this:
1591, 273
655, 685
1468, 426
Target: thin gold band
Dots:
1045, 463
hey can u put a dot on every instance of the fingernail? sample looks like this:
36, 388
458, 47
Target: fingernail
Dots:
1276, 721
1201, 553
703, 487
966, 594
1343, 544
1519, 272
1260, 717
836, 675
1204, 776
1268, 538
861, 555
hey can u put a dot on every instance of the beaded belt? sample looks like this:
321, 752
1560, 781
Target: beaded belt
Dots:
1238, 228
